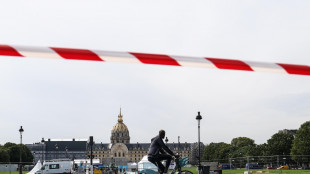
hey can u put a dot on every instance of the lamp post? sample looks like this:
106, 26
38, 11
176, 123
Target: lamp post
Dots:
240, 160
21, 130
198, 118
179, 145
42, 141
66, 151
91, 143
56, 147
166, 140
230, 164
34, 157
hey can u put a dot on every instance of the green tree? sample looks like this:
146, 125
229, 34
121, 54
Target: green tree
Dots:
301, 143
262, 150
9, 145
215, 151
14, 152
4, 155
242, 142
245, 151
280, 144
243, 146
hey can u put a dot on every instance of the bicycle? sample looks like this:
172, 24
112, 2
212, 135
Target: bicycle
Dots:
179, 163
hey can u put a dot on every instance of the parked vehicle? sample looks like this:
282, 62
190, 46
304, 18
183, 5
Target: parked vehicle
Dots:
226, 166
253, 166
56, 166
284, 167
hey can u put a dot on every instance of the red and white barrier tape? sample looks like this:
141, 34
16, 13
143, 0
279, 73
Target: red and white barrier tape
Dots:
158, 59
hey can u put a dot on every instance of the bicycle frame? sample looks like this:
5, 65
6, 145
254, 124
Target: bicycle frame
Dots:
177, 167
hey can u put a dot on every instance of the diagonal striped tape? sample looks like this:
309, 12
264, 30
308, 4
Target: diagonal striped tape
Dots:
156, 59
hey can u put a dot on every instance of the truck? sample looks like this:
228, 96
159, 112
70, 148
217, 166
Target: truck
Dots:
56, 166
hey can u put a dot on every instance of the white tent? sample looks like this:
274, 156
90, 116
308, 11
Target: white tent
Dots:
36, 168
132, 165
145, 164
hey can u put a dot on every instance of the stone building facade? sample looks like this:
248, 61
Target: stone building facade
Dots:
120, 151
58, 149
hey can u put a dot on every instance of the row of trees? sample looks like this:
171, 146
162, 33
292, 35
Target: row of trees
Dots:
10, 152
279, 144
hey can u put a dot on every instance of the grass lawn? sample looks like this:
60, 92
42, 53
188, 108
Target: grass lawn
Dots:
241, 171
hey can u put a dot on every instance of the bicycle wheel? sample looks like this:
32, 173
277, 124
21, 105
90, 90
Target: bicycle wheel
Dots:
185, 172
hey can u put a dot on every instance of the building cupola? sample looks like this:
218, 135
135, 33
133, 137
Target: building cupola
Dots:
120, 133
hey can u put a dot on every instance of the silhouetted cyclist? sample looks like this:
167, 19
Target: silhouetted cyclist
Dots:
157, 153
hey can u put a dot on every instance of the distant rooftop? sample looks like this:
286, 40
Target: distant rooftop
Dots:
288, 131
73, 139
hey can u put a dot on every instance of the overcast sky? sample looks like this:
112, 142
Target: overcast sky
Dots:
76, 99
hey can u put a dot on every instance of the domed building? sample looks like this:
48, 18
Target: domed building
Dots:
120, 151
120, 133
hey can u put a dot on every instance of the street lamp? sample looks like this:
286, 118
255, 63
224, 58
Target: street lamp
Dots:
198, 118
91, 143
66, 151
179, 145
56, 146
42, 141
240, 159
166, 140
34, 157
21, 130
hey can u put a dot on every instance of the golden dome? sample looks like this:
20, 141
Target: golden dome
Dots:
120, 126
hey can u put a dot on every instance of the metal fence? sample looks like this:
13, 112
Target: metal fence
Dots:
14, 166
276, 161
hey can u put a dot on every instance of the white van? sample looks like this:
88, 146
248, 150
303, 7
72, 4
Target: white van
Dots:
56, 166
